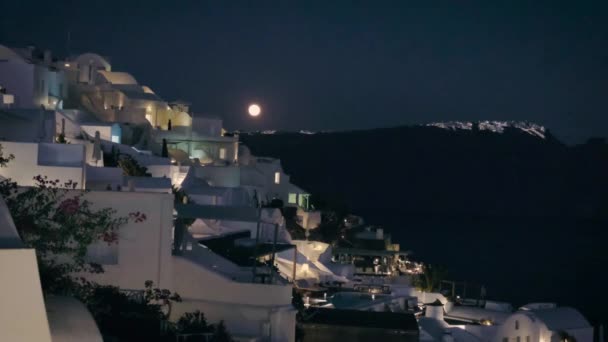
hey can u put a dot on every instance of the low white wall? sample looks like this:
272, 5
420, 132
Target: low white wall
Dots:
196, 282
226, 176
25, 166
22, 313
144, 249
61, 155
105, 131
98, 178
309, 219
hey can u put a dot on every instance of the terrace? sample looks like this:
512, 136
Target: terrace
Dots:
254, 261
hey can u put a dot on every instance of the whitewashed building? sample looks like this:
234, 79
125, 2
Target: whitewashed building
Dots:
25, 315
61, 162
31, 78
205, 281
545, 322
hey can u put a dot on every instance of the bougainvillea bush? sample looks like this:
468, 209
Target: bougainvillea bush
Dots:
60, 224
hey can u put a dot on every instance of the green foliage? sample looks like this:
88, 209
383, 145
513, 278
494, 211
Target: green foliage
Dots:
179, 197
165, 151
330, 227
130, 166
4, 160
60, 139
60, 222
121, 317
297, 301
221, 334
564, 336
193, 323
431, 277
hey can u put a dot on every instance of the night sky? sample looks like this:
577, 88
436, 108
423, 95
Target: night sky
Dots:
333, 65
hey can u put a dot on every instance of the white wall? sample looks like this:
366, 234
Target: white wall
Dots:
245, 307
18, 79
105, 132
100, 177
204, 126
225, 176
26, 165
61, 155
144, 253
144, 249
526, 326
525, 323
309, 219
22, 313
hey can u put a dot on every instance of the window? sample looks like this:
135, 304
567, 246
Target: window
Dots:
222, 153
292, 199
516, 325
102, 253
277, 178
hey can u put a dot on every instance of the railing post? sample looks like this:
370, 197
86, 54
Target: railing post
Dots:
295, 263
257, 239
274, 251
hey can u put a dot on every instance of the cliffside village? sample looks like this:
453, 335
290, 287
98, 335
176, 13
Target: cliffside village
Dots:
225, 229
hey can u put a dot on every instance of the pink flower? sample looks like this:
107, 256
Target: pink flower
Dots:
109, 237
69, 206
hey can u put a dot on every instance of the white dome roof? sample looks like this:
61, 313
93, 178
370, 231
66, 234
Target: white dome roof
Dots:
8, 53
93, 58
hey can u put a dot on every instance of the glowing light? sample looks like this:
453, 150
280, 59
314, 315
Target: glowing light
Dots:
67, 65
254, 110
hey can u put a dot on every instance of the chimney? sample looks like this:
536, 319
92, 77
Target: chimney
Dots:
48, 58
31, 49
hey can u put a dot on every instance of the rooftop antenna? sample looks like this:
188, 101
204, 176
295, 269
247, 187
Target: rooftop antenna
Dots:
67, 44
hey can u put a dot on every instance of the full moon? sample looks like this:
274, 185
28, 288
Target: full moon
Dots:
254, 110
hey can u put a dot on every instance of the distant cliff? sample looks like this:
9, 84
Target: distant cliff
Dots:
457, 168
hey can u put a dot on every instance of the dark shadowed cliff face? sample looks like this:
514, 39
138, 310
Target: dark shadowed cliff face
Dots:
524, 215
429, 170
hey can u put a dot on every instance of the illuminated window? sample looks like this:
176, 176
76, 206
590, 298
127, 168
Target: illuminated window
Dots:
116, 139
293, 198
222, 153
277, 178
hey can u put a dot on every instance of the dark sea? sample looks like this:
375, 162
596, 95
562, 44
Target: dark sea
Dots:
518, 260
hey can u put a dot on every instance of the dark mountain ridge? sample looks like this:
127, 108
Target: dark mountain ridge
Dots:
427, 170
511, 208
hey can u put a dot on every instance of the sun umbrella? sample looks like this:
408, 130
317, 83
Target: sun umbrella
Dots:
97, 148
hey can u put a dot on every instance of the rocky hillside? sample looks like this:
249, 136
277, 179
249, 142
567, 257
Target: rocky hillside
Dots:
457, 168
